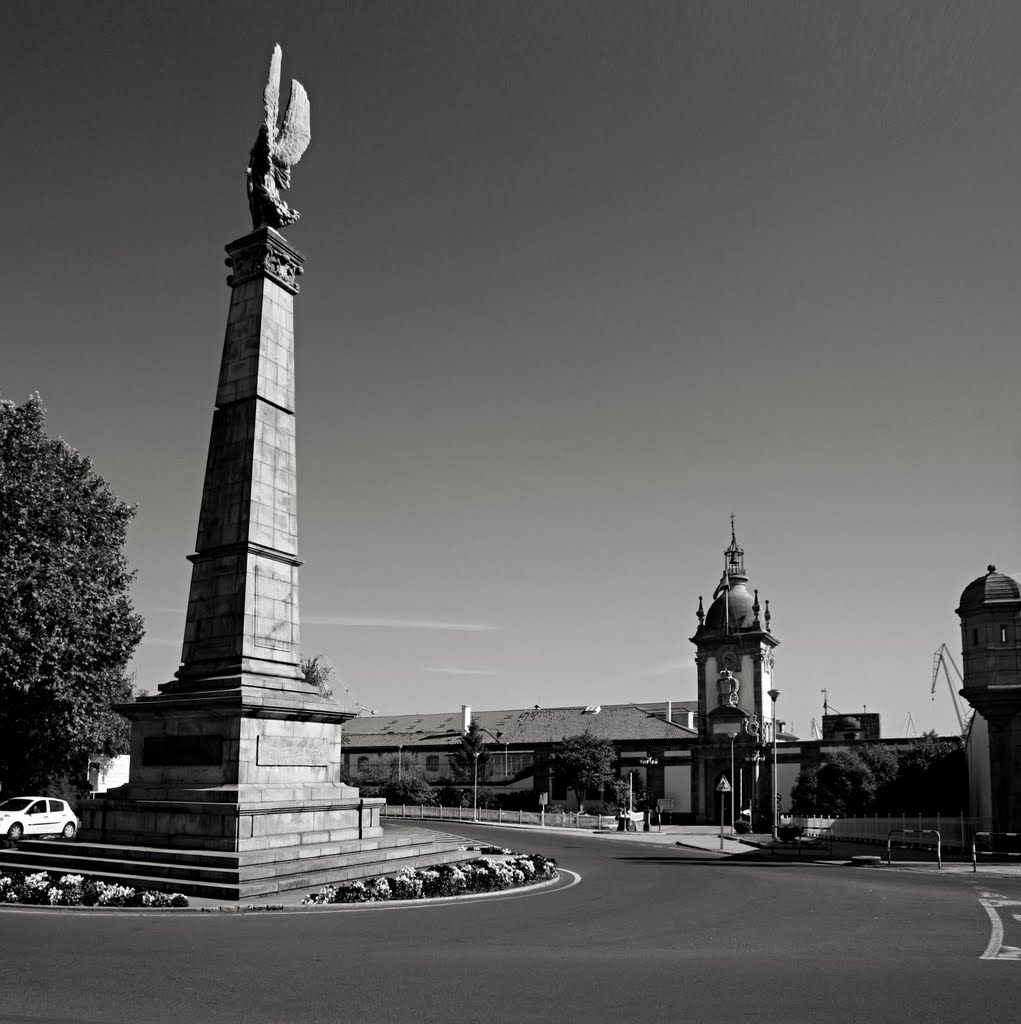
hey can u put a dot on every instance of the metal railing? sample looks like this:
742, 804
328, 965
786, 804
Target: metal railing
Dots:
916, 832
958, 830
558, 819
995, 853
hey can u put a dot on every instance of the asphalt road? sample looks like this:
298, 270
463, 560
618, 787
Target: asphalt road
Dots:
650, 933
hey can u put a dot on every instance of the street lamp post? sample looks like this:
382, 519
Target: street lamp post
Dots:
753, 761
475, 816
733, 785
773, 694
647, 761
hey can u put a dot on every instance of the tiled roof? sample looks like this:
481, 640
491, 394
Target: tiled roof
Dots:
616, 722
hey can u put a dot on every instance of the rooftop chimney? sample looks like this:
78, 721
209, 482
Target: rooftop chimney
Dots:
669, 710
466, 717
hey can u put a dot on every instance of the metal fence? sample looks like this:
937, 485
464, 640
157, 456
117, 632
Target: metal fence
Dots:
559, 819
957, 831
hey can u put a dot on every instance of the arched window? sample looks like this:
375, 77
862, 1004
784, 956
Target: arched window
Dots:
432, 763
363, 764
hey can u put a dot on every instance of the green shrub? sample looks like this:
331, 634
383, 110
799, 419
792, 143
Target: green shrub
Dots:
46, 888
475, 876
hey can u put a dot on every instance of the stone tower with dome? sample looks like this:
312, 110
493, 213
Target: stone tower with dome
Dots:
734, 655
990, 613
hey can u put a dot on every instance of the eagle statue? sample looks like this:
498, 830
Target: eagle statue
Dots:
277, 150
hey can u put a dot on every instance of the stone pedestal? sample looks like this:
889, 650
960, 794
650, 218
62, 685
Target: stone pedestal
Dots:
235, 772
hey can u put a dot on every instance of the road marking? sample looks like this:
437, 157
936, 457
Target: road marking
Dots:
996, 950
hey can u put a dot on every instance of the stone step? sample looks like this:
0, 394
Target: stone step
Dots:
351, 873
207, 875
106, 867
193, 887
219, 858
128, 859
36, 848
288, 867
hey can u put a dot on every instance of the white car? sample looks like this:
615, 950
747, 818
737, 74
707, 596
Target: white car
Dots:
36, 816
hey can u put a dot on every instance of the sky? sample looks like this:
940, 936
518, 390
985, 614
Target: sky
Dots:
582, 281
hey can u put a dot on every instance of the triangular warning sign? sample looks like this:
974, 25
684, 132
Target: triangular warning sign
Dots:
724, 786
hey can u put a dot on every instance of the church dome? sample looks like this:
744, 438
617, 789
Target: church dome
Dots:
738, 603
993, 588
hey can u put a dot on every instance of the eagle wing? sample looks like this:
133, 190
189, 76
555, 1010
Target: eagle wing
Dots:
271, 94
296, 132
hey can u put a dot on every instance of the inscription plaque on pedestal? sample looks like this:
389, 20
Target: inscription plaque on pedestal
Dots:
288, 750
182, 750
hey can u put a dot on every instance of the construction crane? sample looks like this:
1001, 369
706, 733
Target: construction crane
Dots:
941, 659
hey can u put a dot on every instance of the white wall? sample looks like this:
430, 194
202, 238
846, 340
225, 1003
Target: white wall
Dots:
116, 774
979, 781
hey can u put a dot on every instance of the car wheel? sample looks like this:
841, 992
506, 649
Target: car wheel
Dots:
15, 832
69, 830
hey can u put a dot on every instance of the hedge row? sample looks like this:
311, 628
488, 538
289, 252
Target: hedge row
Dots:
78, 891
446, 880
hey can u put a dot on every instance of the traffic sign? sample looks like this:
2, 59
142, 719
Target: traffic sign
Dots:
724, 786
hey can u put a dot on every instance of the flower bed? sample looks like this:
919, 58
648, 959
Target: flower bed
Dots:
474, 876
48, 889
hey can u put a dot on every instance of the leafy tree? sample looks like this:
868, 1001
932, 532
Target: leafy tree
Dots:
471, 747
933, 778
67, 627
631, 792
583, 763
843, 784
398, 778
928, 777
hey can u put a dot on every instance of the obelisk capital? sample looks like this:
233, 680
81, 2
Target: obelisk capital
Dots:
264, 253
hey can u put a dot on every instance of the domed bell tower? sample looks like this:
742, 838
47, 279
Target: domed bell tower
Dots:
734, 654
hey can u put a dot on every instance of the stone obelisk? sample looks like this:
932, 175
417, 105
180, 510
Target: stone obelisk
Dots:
239, 753
242, 621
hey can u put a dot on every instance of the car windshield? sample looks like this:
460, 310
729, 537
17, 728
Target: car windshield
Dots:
17, 804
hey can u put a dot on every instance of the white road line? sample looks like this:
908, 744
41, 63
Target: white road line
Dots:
996, 950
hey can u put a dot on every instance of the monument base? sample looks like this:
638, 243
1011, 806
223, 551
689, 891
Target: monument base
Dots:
236, 792
219, 823
231, 876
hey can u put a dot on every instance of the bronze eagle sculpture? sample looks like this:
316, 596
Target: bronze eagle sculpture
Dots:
277, 149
